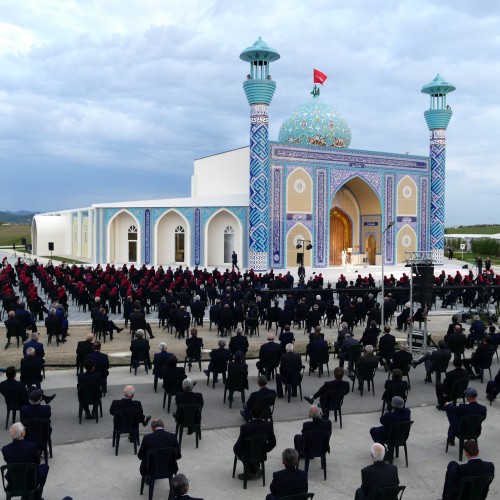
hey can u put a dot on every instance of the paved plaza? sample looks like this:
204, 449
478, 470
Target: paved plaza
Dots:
84, 465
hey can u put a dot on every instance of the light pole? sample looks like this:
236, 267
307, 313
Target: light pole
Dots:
382, 249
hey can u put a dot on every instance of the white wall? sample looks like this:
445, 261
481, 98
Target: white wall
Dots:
214, 239
51, 228
226, 173
165, 238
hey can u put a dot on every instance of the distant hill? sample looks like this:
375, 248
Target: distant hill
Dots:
19, 217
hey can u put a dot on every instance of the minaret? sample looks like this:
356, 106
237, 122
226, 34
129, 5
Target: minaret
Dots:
437, 118
259, 89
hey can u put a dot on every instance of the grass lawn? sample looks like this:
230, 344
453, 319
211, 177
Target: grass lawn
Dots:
470, 258
64, 259
473, 230
10, 234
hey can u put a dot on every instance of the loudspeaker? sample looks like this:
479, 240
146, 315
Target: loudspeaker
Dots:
423, 284
300, 258
51, 246
465, 266
23, 241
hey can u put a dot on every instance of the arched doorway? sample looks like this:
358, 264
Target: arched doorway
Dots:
223, 234
340, 235
172, 239
124, 239
371, 250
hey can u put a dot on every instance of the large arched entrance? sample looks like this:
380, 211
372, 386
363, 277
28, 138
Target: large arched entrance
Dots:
223, 234
340, 235
355, 221
172, 239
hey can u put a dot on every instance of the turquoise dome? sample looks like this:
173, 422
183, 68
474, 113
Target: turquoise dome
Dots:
316, 123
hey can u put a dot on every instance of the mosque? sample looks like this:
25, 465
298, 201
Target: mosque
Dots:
306, 196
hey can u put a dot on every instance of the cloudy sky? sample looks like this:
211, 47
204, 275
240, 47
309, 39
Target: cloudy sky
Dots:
108, 100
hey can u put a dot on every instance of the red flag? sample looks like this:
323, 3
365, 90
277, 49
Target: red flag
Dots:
319, 77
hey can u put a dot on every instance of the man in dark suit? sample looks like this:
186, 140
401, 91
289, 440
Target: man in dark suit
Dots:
14, 327
316, 424
54, 325
138, 319
289, 360
268, 354
443, 390
25, 452
256, 397
252, 428
160, 358
429, 359
34, 409
159, 438
328, 387
456, 340
83, 348
316, 348
399, 414
188, 396
140, 347
401, 357
180, 488
31, 369
101, 362
286, 337
86, 379
128, 402
484, 350
218, 355
38, 346
238, 342
475, 467
349, 341
476, 334
290, 480
378, 475
472, 407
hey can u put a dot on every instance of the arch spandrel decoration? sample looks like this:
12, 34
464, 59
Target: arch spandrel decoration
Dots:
299, 188
406, 241
407, 196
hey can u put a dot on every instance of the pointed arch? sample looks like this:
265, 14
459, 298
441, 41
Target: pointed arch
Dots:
120, 248
170, 247
407, 196
299, 189
297, 232
406, 241
219, 242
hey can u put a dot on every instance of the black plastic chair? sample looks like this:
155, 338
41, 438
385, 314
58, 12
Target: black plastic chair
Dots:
397, 436
467, 428
193, 355
353, 354
14, 399
365, 372
316, 444
188, 415
38, 431
270, 364
254, 452
126, 421
157, 369
267, 404
457, 389
171, 386
397, 389
295, 380
333, 402
298, 496
439, 366
22, 481
388, 493
139, 357
485, 364
236, 382
160, 464
473, 487
89, 393
323, 359
219, 367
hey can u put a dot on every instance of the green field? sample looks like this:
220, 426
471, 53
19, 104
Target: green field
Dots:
480, 229
10, 234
